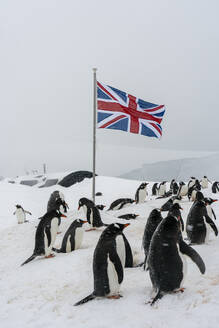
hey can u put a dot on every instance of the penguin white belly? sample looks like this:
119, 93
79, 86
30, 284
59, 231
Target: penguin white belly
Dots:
68, 245
120, 248
53, 233
20, 215
162, 190
85, 210
91, 218
184, 262
193, 196
209, 211
184, 191
204, 183
78, 237
208, 230
113, 278
142, 194
117, 207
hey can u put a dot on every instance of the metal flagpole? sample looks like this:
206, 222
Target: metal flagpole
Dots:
94, 130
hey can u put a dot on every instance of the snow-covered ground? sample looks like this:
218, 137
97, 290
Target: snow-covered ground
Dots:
42, 293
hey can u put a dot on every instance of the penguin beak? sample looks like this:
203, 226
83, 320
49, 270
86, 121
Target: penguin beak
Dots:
181, 208
126, 225
63, 216
215, 200
84, 221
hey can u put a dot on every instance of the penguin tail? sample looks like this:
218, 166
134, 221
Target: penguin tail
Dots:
86, 299
57, 250
157, 297
31, 258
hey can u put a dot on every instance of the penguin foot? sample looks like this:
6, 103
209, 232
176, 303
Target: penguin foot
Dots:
49, 256
181, 290
114, 297
59, 232
90, 229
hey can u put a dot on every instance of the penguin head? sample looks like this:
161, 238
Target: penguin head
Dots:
171, 227
176, 206
199, 196
115, 229
61, 205
155, 214
209, 201
80, 222
181, 183
100, 207
205, 177
85, 201
143, 185
18, 206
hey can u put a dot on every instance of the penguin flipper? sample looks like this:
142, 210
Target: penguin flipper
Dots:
31, 258
194, 256
48, 234
214, 214
86, 299
114, 257
211, 223
128, 253
157, 297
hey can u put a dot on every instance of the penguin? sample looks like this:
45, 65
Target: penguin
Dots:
166, 258
45, 235
108, 264
128, 216
166, 206
215, 187
72, 239
198, 222
192, 193
191, 182
152, 223
141, 193
155, 189
210, 211
91, 212
172, 183
120, 203
183, 189
162, 188
204, 182
21, 214
174, 187
175, 211
165, 195
51, 205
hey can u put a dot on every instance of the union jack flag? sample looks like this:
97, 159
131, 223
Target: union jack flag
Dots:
119, 110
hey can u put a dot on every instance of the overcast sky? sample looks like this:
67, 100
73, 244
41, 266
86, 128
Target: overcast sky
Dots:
163, 51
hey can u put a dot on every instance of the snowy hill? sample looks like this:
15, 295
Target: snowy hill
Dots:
42, 293
180, 169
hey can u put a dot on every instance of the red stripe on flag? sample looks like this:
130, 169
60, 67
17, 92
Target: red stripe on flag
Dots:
112, 121
107, 92
154, 109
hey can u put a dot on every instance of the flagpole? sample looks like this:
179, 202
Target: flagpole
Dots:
94, 129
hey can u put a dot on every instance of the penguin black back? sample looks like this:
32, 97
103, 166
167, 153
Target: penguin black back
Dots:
120, 203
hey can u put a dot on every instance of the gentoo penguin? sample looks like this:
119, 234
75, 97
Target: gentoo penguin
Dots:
198, 222
52, 202
153, 221
210, 211
215, 187
141, 193
183, 189
91, 212
175, 211
73, 237
192, 193
108, 263
174, 187
155, 189
165, 259
162, 188
191, 182
128, 216
204, 182
45, 235
21, 214
166, 206
120, 203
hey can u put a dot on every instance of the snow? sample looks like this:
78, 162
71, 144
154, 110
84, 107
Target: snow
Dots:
43, 292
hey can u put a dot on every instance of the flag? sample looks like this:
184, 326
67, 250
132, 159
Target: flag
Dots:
119, 110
